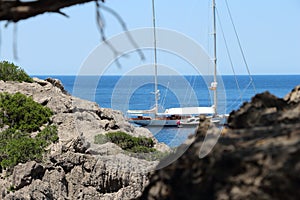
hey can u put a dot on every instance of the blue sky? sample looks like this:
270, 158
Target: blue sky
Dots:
269, 32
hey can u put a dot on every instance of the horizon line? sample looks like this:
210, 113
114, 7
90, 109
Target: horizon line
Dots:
32, 75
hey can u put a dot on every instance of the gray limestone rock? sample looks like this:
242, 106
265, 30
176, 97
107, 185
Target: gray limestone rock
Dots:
76, 167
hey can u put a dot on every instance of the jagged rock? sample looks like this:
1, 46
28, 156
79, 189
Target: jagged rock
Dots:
40, 82
75, 117
105, 114
24, 174
257, 161
75, 175
76, 167
57, 83
56, 182
265, 110
294, 96
105, 149
80, 145
47, 95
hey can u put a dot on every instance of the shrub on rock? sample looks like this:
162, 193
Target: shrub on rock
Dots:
21, 112
11, 72
20, 116
127, 142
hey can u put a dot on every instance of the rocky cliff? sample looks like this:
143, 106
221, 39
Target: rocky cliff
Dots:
75, 167
257, 157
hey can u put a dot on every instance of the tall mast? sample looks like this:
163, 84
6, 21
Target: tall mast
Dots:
156, 92
215, 55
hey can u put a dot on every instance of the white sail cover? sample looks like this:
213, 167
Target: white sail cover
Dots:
141, 111
190, 111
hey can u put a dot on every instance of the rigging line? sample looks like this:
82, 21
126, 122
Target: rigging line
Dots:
128, 93
228, 54
240, 46
192, 89
243, 92
165, 96
208, 30
188, 91
186, 95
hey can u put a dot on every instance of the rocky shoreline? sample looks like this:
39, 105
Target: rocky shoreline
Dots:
257, 157
76, 168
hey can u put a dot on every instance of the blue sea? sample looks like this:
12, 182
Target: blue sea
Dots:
136, 92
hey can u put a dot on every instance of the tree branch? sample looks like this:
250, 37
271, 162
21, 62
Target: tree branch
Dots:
15, 10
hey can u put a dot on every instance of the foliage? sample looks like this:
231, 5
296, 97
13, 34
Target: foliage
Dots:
143, 149
19, 150
127, 142
48, 135
22, 116
11, 72
22, 113
18, 147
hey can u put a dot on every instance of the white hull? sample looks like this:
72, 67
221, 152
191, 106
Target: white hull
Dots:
188, 122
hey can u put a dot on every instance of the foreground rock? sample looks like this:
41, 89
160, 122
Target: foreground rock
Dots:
257, 158
76, 168
267, 110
